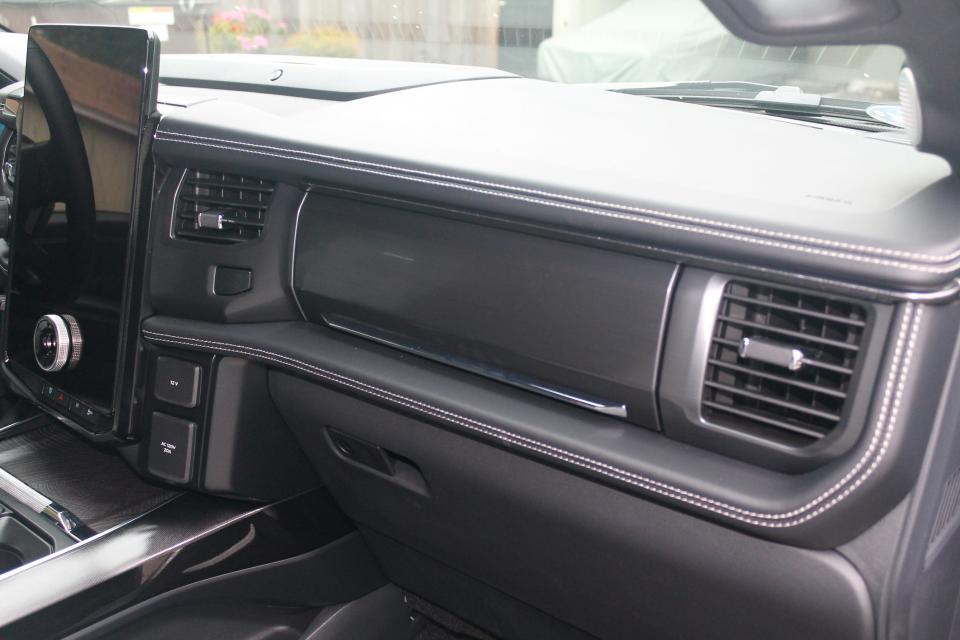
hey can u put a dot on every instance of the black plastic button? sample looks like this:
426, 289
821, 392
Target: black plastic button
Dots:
229, 281
171, 448
59, 398
48, 391
177, 382
75, 407
82, 411
89, 414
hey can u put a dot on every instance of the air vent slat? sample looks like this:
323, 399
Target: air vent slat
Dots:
788, 401
770, 376
221, 207
218, 202
247, 186
797, 310
759, 397
779, 424
790, 334
199, 235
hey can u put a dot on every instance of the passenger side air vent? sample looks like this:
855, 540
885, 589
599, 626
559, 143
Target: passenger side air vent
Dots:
219, 207
781, 362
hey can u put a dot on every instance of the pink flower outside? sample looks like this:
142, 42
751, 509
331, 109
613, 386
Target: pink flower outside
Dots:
225, 16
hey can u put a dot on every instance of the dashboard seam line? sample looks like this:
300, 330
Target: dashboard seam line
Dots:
171, 136
884, 428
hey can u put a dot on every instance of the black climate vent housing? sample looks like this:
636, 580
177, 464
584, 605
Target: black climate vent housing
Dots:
221, 207
794, 403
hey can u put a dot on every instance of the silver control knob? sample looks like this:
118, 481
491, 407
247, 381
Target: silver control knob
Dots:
57, 342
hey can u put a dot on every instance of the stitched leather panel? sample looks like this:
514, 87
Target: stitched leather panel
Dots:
901, 243
643, 462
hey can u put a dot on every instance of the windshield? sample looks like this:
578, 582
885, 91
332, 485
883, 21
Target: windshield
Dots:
580, 41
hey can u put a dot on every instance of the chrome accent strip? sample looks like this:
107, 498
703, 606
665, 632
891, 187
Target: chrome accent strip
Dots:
945, 294
76, 340
85, 541
662, 341
70, 523
210, 221
772, 353
23, 492
293, 254
43, 505
176, 200
620, 411
569, 396
15, 426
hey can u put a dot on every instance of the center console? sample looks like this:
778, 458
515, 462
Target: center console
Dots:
86, 218
72, 306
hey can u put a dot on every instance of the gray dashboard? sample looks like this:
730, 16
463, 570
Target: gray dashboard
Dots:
543, 277
688, 179
422, 171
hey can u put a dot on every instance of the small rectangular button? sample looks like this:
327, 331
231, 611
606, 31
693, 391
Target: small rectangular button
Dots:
75, 407
48, 391
177, 382
230, 281
60, 398
171, 448
82, 411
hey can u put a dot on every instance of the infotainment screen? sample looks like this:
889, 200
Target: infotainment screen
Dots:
87, 95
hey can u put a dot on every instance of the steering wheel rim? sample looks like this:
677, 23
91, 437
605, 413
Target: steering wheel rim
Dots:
70, 161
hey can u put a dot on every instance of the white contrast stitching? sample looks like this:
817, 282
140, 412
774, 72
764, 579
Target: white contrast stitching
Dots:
880, 438
622, 216
835, 244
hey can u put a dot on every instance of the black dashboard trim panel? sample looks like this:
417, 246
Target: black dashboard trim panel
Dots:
950, 290
737, 493
895, 268
180, 275
567, 319
845, 250
564, 543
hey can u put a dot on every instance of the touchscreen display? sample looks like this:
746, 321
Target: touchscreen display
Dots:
87, 92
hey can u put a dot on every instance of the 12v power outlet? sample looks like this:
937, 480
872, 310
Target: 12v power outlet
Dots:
177, 382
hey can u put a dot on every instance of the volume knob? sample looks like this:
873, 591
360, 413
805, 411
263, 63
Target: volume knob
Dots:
57, 342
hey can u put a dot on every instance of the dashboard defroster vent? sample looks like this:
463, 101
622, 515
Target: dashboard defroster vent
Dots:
781, 362
220, 207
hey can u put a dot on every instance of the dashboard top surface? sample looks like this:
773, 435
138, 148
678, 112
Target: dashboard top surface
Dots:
314, 77
697, 179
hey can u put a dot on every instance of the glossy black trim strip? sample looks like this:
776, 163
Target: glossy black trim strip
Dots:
570, 396
188, 539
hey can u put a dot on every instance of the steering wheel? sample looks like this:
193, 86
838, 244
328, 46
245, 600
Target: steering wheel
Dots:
66, 158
